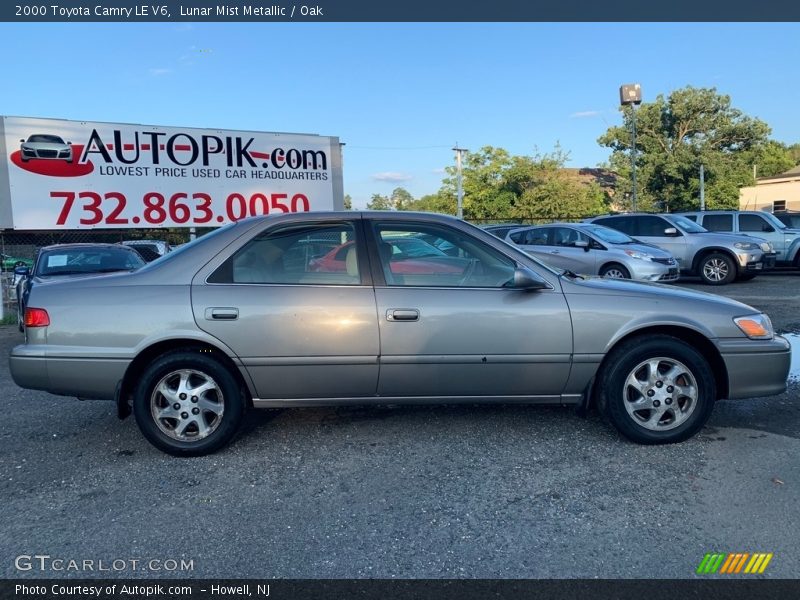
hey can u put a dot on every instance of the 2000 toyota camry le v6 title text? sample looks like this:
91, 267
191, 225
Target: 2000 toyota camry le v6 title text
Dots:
248, 316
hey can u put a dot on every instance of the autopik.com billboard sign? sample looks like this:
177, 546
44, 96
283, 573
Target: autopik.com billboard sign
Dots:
58, 174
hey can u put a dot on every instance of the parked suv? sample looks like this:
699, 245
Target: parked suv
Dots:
718, 258
785, 240
592, 249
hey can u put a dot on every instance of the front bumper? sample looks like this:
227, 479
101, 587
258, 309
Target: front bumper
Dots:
756, 367
653, 271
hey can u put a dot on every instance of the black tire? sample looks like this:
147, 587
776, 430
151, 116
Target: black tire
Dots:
716, 268
684, 416
198, 365
615, 268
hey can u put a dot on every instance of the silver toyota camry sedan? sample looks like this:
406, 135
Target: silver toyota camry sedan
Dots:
320, 308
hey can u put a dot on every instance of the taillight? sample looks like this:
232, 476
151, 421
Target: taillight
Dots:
36, 317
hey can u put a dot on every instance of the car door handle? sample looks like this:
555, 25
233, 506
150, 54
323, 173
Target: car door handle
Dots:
219, 313
402, 314
555, 252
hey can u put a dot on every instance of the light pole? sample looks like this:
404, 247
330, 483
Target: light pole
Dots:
630, 94
460, 205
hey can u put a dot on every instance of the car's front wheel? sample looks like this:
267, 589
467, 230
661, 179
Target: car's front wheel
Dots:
717, 269
188, 403
615, 271
657, 390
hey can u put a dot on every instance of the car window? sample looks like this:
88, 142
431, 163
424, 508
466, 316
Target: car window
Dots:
718, 222
566, 237
474, 264
753, 223
651, 226
306, 254
611, 236
623, 224
691, 217
77, 261
685, 224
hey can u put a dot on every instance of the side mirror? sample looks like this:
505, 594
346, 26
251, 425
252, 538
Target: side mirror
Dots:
23, 271
525, 279
670, 231
582, 244
22, 141
69, 143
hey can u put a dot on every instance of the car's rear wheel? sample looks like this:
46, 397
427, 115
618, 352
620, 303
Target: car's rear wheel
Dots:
657, 390
717, 269
615, 271
188, 403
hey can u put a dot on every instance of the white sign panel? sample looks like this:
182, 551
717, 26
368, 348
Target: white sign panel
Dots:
73, 175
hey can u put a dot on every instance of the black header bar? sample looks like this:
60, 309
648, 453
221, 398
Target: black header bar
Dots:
401, 11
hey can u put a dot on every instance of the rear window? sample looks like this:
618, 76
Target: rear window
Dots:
718, 222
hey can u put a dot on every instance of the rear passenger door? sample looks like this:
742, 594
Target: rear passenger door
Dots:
302, 327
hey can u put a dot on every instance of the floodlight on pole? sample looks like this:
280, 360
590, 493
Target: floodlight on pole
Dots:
460, 205
630, 94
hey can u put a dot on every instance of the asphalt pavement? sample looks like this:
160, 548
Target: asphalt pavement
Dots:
403, 492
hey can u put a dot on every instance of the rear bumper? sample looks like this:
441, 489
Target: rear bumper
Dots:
90, 378
756, 368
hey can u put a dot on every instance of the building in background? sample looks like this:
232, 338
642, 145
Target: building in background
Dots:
776, 193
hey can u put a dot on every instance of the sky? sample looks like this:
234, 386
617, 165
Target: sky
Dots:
400, 95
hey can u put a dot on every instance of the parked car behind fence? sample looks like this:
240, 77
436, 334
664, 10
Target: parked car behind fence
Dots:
592, 249
718, 258
785, 240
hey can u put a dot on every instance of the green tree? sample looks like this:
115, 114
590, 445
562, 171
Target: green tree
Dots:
794, 153
544, 189
378, 202
348, 202
774, 158
401, 199
674, 136
483, 175
437, 203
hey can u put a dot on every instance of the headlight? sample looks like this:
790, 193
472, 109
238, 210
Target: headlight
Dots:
756, 327
767, 247
639, 255
746, 246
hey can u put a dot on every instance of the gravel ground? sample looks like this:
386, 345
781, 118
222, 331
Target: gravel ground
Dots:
490, 491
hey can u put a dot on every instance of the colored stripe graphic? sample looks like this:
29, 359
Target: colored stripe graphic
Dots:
733, 563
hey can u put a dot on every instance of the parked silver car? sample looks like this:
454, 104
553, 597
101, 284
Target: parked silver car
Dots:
591, 249
718, 258
241, 318
44, 145
785, 240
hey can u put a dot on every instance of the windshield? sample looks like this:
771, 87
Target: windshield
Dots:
612, 236
774, 221
47, 139
687, 225
86, 260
